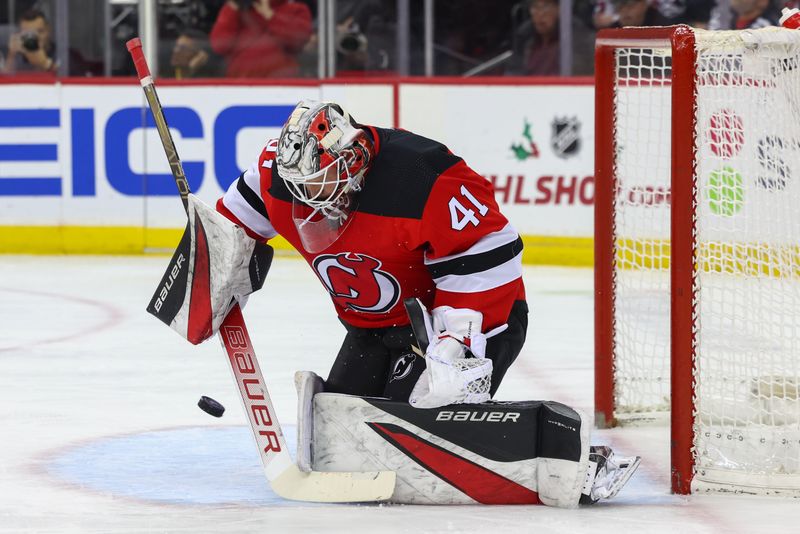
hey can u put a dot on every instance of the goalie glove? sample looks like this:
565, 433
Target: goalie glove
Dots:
215, 265
457, 370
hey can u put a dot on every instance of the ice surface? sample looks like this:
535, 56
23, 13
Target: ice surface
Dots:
100, 432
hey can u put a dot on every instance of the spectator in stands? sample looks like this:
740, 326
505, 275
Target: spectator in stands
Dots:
471, 32
536, 43
692, 12
537, 50
261, 38
698, 13
192, 56
638, 13
31, 49
744, 14
604, 15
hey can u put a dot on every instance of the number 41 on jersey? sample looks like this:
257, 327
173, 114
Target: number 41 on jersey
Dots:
460, 215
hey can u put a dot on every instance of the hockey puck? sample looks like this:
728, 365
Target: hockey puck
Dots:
210, 406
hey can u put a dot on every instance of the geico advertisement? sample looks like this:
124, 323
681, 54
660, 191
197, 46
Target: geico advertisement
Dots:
90, 154
535, 143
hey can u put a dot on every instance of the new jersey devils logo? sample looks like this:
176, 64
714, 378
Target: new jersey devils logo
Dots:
402, 367
356, 282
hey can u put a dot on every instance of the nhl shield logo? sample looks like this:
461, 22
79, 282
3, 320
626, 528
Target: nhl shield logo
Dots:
566, 136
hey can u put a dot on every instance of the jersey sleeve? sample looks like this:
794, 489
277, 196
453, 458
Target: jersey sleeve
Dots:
243, 203
473, 253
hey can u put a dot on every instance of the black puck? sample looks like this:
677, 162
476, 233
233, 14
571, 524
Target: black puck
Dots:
210, 406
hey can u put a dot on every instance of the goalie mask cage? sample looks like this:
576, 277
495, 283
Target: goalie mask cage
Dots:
697, 249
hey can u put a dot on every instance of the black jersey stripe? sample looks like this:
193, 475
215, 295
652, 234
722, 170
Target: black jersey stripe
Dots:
278, 188
250, 196
476, 263
400, 180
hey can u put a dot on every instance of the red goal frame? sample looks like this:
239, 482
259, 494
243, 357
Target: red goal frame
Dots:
681, 40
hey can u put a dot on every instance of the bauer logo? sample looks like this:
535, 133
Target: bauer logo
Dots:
168, 299
476, 416
171, 277
251, 385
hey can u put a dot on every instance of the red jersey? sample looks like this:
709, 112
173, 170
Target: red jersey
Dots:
426, 226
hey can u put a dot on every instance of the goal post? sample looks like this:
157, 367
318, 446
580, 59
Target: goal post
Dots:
697, 249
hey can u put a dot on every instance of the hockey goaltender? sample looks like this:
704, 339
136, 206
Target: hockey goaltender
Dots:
393, 225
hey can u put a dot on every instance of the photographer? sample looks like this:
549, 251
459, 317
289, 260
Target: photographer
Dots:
192, 56
365, 42
261, 38
31, 48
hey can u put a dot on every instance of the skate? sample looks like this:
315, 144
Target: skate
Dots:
607, 474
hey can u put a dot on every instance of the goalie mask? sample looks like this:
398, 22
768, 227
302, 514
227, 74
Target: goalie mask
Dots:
322, 157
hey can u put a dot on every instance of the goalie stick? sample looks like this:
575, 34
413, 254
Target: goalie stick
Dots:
284, 476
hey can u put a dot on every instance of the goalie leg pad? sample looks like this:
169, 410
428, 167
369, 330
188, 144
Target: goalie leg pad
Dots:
308, 384
215, 265
493, 453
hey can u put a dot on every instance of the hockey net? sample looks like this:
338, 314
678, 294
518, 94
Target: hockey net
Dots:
698, 249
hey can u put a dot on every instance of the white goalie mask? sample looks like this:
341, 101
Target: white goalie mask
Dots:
322, 157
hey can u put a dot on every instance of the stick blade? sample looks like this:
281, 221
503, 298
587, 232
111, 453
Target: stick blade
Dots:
320, 486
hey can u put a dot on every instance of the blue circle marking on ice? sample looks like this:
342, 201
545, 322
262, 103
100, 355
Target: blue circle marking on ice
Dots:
199, 465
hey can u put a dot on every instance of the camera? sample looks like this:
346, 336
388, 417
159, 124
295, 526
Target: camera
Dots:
30, 41
351, 41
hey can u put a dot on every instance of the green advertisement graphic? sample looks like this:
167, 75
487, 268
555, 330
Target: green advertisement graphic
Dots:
725, 191
528, 148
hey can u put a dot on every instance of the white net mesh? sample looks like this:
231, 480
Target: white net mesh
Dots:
477, 376
747, 370
641, 218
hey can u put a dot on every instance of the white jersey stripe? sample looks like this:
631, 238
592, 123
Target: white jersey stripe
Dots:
252, 177
237, 204
245, 213
482, 281
488, 242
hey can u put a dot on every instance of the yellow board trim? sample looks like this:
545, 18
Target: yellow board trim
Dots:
554, 250
541, 250
773, 260
752, 259
95, 240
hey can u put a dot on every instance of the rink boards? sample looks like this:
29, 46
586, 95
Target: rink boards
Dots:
82, 169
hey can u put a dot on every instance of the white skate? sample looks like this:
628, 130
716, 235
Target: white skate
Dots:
607, 474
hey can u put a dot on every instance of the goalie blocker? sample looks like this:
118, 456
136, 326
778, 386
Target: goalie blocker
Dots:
528, 452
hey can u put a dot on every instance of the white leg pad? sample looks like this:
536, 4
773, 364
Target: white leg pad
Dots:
358, 434
307, 384
560, 482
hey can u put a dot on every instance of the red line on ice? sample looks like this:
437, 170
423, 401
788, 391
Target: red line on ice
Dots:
112, 317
